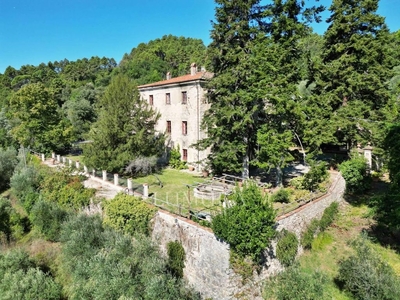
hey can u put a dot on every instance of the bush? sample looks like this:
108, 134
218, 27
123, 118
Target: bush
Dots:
330, 214
366, 276
308, 236
175, 159
295, 284
47, 218
297, 182
354, 171
142, 166
248, 225
24, 184
176, 259
286, 249
315, 175
129, 214
8, 162
282, 196
21, 279
5, 218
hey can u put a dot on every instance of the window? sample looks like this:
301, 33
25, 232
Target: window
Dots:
151, 100
184, 127
168, 126
184, 97
167, 98
184, 154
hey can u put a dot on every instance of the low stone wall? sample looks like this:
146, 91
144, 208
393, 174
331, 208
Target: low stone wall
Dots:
207, 258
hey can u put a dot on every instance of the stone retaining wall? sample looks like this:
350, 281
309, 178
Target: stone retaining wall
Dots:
207, 258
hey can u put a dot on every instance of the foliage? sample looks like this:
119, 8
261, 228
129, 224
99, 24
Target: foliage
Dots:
366, 276
5, 222
315, 175
8, 161
142, 166
354, 171
38, 123
125, 128
322, 240
296, 284
308, 236
20, 279
286, 248
176, 259
282, 196
149, 62
66, 190
175, 159
297, 182
248, 225
244, 266
100, 263
351, 80
47, 218
329, 215
128, 214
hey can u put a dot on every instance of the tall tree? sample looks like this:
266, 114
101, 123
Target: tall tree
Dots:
236, 105
351, 82
36, 122
124, 129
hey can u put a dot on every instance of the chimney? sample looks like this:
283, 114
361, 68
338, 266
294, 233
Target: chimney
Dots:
193, 69
168, 75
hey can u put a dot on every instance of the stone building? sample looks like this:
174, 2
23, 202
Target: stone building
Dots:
181, 102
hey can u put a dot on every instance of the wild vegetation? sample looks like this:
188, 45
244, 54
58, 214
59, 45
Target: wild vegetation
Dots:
276, 86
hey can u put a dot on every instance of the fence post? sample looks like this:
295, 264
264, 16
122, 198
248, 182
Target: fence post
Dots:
104, 175
94, 173
64, 160
129, 184
85, 169
145, 190
70, 162
43, 157
77, 164
116, 179
58, 158
53, 155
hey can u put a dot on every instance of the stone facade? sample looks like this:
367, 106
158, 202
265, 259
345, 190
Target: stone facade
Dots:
181, 102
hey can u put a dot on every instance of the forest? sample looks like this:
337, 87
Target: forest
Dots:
277, 86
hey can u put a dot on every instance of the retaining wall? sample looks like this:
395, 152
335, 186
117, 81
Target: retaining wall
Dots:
207, 258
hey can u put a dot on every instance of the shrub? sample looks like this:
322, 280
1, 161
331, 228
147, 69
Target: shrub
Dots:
5, 222
24, 184
329, 216
175, 159
142, 166
315, 175
282, 195
248, 225
295, 284
176, 259
286, 249
366, 276
354, 171
297, 182
129, 214
8, 161
21, 279
47, 218
308, 236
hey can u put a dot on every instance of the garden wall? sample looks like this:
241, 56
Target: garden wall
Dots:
207, 259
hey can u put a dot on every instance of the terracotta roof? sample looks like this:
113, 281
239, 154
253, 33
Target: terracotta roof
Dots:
184, 78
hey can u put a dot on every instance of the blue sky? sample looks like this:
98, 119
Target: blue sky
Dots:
36, 31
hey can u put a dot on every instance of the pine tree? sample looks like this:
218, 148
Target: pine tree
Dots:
236, 106
351, 82
124, 129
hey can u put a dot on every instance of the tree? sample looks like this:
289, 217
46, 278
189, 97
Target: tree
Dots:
351, 81
37, 123
124, 129
236, 105
247, 226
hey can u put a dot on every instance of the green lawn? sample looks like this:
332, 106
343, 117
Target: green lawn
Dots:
177, 189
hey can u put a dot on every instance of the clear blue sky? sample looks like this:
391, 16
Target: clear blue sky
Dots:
36, 31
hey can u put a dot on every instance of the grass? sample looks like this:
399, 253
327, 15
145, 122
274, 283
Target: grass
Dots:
177, 189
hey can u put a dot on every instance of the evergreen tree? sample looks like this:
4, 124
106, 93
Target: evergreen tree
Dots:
236, 105
351, 82
124, 129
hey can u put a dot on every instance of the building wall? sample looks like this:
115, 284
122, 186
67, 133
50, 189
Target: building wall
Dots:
192, 112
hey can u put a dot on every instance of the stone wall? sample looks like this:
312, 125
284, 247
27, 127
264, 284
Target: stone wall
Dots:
207, 259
